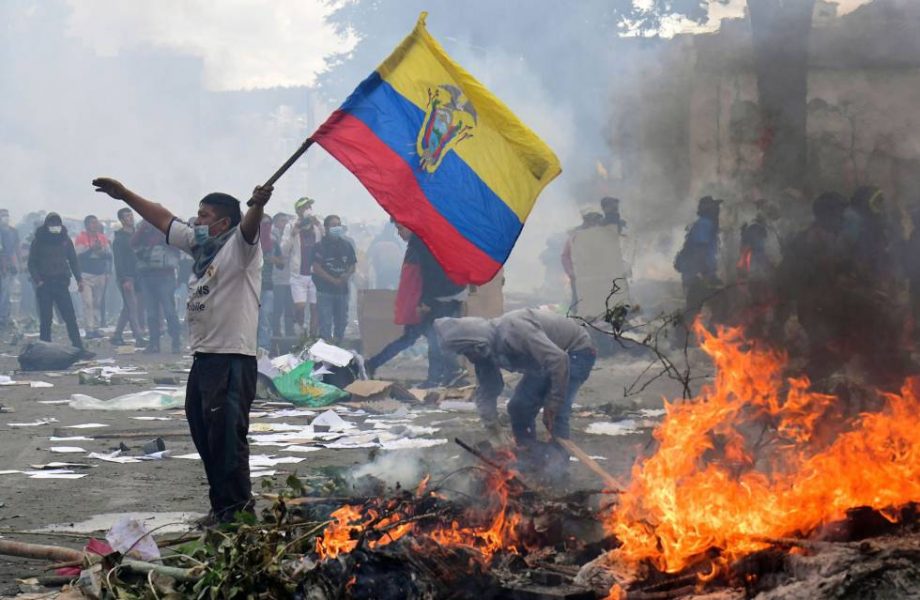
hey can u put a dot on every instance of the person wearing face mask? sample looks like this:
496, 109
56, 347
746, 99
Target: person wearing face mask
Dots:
222, 315
297, 246
554, 353
9, 265
334, 263
52, 261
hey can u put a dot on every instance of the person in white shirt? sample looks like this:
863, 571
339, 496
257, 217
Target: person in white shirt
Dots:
223, 313
298, 244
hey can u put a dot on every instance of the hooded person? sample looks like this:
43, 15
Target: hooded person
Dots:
554, 353
52, 262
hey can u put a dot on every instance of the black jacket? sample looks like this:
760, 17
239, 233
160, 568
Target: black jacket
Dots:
435, 282
52, 255
125, 260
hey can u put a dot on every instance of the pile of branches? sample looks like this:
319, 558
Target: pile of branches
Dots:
275, 555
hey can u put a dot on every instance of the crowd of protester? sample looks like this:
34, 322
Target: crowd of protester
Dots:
122, 273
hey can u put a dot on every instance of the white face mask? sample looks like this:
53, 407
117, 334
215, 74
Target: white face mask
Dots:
54, 228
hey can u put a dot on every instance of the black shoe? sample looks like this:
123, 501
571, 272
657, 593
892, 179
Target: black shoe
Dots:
117, 340
139, 342
152, 349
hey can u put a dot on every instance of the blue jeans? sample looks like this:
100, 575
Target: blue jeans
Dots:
333, 315
266, 308
442, 365
530, 395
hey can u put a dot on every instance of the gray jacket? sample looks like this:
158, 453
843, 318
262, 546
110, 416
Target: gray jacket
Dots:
525, 341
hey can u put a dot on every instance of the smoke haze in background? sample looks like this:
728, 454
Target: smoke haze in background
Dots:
180, 98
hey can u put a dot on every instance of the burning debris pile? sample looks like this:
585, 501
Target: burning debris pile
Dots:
756, 463
503, 537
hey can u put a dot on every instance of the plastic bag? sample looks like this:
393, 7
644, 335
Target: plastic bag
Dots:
148, 400
299, 386
47, 356
130, 537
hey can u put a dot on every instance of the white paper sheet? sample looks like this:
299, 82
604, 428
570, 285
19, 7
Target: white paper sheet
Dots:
332, 420
114, 457
67, 449
323, 352
36, 423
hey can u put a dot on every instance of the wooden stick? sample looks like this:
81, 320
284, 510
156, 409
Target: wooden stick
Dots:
512, 477
287, 165
42, 551
142, 568
612, 483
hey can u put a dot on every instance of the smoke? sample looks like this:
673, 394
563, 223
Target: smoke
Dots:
162, 96
398, 468
181, 98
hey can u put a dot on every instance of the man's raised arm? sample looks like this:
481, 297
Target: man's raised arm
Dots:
252, 220
155, 214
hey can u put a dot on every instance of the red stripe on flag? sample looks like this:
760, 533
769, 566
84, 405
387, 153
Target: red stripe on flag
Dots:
391, 182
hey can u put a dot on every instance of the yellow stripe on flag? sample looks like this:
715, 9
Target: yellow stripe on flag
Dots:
509, 158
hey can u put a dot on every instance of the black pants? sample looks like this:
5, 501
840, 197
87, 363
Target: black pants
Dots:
220, 390
54, 292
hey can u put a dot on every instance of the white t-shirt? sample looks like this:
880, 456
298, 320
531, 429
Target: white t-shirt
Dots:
223, 305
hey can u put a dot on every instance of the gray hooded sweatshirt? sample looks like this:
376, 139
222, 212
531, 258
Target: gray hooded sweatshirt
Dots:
529, 341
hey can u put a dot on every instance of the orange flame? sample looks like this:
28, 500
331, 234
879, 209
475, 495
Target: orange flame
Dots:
500, 531
339, 536
709, 486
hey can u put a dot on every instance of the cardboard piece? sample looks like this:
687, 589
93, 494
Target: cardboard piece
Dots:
375, 318
487, 301
376, 389
594, 277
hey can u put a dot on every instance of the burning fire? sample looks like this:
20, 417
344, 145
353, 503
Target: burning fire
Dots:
750, 458
501, 532
488, 528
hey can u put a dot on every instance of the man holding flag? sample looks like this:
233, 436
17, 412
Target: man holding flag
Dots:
439, 152
223, 314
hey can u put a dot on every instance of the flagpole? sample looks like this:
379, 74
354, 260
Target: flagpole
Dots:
287, 165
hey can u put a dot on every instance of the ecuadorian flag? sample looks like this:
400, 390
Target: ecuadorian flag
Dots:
442, 155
